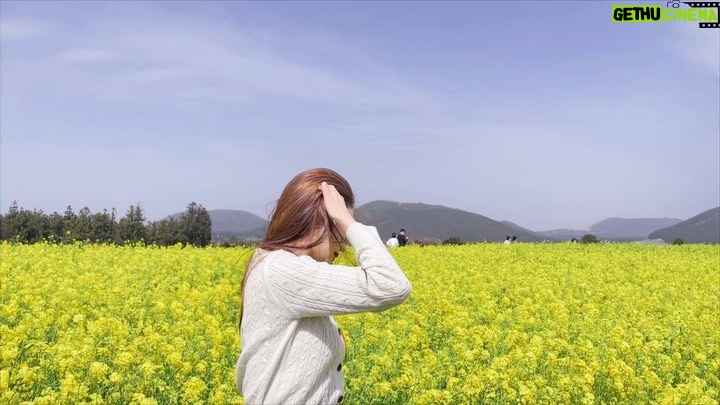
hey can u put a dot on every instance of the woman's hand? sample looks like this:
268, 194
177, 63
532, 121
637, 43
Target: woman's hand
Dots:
336, 207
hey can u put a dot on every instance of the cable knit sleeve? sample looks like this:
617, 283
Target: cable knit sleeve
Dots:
310, 288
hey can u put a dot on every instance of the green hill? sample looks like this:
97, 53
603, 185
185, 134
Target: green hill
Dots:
423, 221
234, 223
234, 220
702, 228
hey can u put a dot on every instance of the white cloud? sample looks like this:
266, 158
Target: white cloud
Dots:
19, 30
87, 55
159, 56
698, 46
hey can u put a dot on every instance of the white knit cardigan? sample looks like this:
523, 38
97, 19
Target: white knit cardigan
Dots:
292, 349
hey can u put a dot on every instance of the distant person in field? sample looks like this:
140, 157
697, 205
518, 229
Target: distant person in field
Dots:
402, 239
514, 239
292, 348
393, 241
507, 240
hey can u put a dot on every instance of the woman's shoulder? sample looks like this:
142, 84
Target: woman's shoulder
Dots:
280, 259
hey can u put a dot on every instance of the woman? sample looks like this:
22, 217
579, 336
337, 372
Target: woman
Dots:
292, 349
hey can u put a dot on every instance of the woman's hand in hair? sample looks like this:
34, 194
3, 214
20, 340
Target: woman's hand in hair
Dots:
336, 207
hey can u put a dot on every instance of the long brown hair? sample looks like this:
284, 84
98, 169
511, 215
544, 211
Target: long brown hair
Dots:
299, 213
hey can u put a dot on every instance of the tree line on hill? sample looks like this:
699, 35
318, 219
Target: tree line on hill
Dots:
192, 227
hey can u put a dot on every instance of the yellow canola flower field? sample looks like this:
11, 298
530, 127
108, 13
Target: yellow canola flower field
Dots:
486, 323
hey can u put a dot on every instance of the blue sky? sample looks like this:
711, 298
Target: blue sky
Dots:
546, 114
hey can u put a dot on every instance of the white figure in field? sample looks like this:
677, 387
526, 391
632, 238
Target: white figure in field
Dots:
393, 241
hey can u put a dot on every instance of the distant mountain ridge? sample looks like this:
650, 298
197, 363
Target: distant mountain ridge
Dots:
239, 224
617, 229
234, 220
437, 222
630, 228
565, 233
702, 228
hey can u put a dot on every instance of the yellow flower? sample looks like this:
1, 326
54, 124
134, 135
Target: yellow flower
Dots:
141, 399
98, 370
483, 325
4, 379
116, 378
193, 388
124, 359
